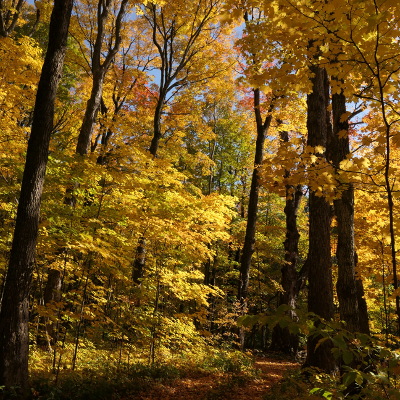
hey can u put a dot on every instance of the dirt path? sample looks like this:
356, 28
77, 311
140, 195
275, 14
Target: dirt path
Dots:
272, 371
225, 386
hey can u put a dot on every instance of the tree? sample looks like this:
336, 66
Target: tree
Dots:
282, 339
319, 253
99, 66
352, 30
346, 286
14, 311
10, 12
262, 126
181, 33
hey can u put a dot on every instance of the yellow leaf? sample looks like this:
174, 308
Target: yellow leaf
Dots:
343, 133
345, 116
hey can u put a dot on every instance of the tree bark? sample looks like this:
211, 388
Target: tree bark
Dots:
157, 134
320, 287
282, 339
362, 306
14, 314
344, 210
91, 112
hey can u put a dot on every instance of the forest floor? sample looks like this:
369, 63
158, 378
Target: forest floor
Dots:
269, 371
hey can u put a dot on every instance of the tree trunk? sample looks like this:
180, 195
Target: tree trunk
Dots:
92, 109
362, 306
344, 209
14, 314
249, 241
282, 339
139, 262
210, 272
157, 134
52, 293
320, 287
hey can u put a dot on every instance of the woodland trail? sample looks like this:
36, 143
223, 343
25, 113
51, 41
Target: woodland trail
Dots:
225, 386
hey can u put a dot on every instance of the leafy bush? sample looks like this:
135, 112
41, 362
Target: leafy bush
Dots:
232, 362
160, 372
101, 384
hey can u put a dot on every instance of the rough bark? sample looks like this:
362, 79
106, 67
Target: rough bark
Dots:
249, 241
320, 287
344, 210
362, 306
14, 316
282, 339
362, 303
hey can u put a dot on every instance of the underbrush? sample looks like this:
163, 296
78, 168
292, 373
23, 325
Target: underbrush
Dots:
224, 361
102, 383
107, 377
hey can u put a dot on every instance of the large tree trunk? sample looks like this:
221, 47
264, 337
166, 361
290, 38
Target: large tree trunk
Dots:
320, 287
344, 209
14, 314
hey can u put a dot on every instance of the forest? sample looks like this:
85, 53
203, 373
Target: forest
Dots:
199, 199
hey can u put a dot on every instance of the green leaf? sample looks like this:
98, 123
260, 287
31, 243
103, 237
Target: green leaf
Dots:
349, 378
364, 339
321, 392
339, 342
359, 378
348, 357
241, 319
